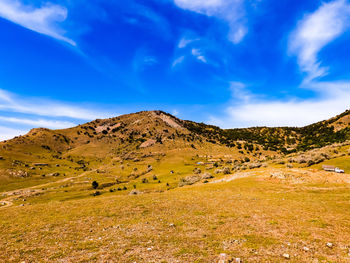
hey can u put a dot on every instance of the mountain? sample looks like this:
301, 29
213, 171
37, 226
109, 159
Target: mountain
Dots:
157, 129
149, 187
148, 137
156, 135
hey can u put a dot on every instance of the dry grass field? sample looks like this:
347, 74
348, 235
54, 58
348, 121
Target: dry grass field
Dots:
256, 216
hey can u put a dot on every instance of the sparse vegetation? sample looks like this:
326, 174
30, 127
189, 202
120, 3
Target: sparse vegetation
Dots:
264, 201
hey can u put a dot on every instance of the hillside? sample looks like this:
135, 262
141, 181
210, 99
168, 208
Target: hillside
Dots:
281, 139
156, 135
142, 138
149, 187
146, 129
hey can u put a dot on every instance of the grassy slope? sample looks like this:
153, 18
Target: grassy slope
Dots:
263, 216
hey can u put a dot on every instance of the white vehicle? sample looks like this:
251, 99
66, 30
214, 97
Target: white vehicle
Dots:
337, 170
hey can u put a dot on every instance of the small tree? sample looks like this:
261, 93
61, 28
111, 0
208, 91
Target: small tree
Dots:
94, 184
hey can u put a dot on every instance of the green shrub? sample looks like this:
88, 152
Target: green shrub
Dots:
94, 185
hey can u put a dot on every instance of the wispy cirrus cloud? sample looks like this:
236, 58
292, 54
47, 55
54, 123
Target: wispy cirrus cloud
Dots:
8, 133
315, 31
198, 54
231, 11
37, 106
52, 124
19, 114
184, 42
44, 20
246, 109
178, 61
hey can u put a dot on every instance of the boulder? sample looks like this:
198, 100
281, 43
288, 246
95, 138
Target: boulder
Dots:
286, 256
207, 176
135, 192
189, 180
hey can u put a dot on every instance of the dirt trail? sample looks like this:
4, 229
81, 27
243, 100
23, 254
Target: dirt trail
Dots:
11, 195
234, 176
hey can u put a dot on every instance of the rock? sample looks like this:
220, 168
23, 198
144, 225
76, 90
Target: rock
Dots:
254, 165
286, 256
147, 143
329, 244
207, 176
135, 192
223, 258
189, 180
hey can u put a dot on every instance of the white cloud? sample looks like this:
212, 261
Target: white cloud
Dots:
239, 91
231, 11
178, 61
8, 133
200, 5
42, 107
184, 42
52, 124
315, 31
16, 106
198, 55
245, 110
43, 20
150, 61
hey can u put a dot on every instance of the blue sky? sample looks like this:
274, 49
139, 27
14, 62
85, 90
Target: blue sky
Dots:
232, 63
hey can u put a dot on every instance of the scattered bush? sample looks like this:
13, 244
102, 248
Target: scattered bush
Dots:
197, 171
96, 193
226, 170
94, 185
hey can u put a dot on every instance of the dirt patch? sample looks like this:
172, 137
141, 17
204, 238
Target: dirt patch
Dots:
168, 120
147, 143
